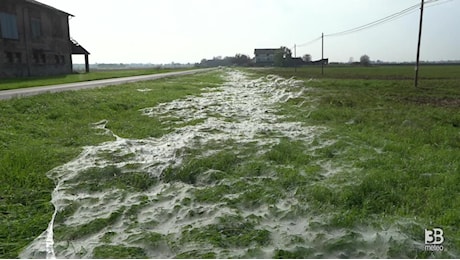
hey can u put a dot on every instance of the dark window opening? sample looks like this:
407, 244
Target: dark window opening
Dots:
18, 57
13, 57
9, 57
59, 59
58, 26
8, 26
36, 28
39, 57
36, 58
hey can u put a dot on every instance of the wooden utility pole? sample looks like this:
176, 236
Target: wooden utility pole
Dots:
418, 45
295, 56
322, 54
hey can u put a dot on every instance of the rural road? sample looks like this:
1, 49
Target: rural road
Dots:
24, 92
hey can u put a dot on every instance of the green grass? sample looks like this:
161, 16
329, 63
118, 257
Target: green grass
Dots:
96, 225
403, 143
190, 171
110, 177
396, 148
119, 252
16, 83
390, 72
229, 232
45, 131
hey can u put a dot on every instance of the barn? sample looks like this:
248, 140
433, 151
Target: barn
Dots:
35, 40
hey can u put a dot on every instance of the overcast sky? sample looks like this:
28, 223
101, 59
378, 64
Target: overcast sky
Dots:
164, 31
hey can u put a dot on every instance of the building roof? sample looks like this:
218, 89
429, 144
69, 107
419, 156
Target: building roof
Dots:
265, 51
77, 48
46, 6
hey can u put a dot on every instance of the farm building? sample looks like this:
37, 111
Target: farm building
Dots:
265, 57
35, 40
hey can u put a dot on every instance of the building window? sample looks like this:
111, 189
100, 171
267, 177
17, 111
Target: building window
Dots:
13, 57
36, 57
58, 26
9, 57
9, 26
36, 27
18, 57
59, 59
39, 57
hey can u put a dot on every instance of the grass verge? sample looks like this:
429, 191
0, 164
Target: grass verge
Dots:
42, 132
16, 83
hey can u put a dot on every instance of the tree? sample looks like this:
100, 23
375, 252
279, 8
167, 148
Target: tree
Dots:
306, 58
365, 60
238, 60
241, 60
283, 56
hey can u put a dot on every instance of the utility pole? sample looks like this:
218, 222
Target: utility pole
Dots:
418, 45
295, 56
322, 54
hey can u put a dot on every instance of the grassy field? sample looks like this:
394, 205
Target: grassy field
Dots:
403, 142
390, 72
396, 150
6, 84
42, 132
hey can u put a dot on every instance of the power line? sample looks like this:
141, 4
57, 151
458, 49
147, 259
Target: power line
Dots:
310, 42
389, 18
377, 22
440, 3
386, 19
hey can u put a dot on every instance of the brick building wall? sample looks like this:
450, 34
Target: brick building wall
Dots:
34, 40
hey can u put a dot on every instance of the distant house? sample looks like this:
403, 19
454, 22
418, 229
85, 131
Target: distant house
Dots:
296, 62
320, 62
35, 40
265, 57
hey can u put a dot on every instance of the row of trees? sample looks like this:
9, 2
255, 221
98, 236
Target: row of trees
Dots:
283, 58
237, 60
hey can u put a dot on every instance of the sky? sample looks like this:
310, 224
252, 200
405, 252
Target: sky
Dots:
186, 31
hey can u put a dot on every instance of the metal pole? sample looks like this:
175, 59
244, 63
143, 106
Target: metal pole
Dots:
295, 56
322, 54
418, 45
